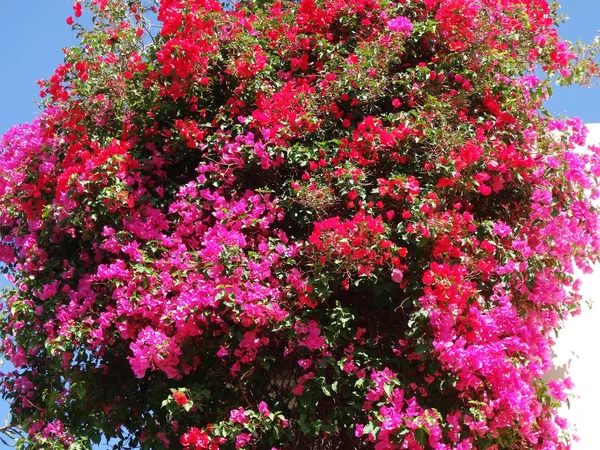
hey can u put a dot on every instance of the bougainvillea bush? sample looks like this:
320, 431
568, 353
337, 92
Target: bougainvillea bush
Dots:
316, 224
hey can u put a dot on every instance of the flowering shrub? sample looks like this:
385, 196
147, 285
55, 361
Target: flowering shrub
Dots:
316, 224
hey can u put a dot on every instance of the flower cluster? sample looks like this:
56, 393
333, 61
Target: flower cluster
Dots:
278, 224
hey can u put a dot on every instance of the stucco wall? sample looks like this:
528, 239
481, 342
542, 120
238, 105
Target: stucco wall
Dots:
577, 352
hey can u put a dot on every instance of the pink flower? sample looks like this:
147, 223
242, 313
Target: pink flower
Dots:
242, 439
153, 349
401, 24
397, 276
238, 416
359, 430
313, 340
263, 409
305, 363
222, 352
501, 229
49, 290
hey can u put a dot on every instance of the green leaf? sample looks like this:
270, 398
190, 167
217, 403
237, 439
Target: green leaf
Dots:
421, 436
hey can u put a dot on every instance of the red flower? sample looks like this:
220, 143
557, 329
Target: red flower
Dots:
180, 398
485, 189
77, 9
198, 438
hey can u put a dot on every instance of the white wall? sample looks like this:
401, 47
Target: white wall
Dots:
577, 352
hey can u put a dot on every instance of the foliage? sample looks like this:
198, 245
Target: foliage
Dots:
316, 224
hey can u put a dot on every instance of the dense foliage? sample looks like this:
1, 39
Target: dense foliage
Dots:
316, 224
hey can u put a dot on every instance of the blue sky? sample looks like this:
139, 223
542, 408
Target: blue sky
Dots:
32, 33
583, 24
